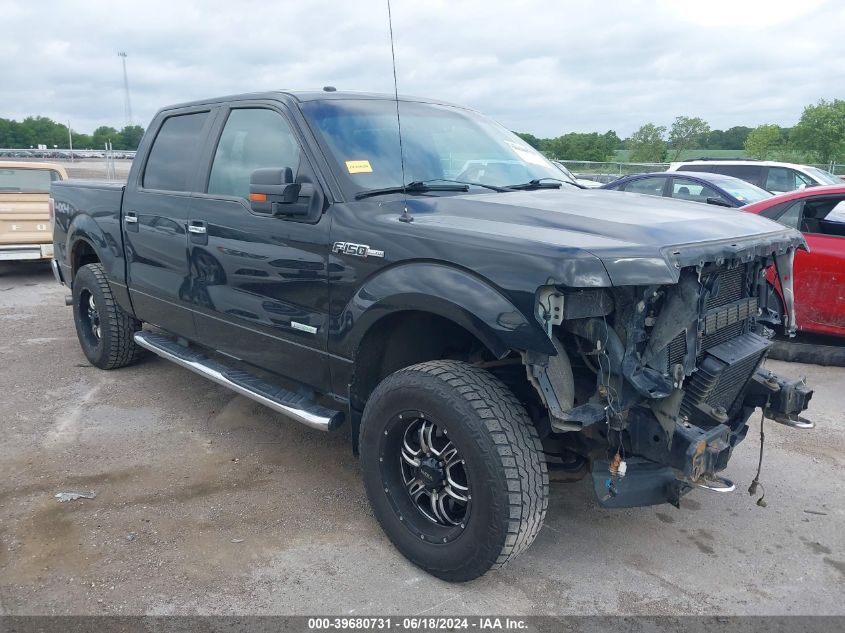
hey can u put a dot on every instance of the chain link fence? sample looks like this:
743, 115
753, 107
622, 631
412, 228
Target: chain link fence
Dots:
609, 171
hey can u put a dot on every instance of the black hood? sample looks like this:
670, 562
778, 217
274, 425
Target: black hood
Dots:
638, 238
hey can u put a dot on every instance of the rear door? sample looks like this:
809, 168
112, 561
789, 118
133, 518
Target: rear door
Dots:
259, 283
688, 189
784, 179
155, 217
651, 185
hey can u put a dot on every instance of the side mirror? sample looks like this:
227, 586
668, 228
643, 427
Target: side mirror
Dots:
272, 191
719, 202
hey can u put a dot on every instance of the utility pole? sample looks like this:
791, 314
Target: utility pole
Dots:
70, 140
127, 104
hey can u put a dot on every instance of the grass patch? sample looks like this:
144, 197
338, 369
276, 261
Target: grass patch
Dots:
623, 155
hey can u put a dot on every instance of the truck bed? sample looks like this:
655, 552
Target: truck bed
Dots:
91, 209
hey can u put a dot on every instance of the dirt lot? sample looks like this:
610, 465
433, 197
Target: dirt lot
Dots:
208, 503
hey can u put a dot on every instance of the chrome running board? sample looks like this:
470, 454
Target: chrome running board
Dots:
297, 407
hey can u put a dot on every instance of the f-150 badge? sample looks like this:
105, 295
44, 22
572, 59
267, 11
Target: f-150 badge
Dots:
358, 250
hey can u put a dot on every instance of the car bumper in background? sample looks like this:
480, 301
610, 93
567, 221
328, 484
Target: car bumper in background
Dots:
9, 252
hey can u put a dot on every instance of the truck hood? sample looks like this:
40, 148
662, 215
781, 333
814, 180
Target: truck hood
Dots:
639, 239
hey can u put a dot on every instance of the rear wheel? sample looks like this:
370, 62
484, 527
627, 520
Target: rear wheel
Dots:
453, 468
104, 329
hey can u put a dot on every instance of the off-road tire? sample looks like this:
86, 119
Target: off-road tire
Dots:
115, 346
505, 467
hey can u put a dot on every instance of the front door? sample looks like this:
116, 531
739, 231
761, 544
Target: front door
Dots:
819, 275
259, 283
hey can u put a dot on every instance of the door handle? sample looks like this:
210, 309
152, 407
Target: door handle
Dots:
130, 220
198, 232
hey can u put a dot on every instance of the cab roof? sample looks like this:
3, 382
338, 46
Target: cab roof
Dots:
303, 96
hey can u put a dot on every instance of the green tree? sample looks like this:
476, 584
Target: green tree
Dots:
129, 137
532, 140
685, 133
613, 140
102, 134
81, 141
583, 146
647, 144
763, 141
821, 130
735, 137
38, 130
732, 138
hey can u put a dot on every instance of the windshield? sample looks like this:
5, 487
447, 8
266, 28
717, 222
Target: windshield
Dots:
824, 177
743, 191
26, 180
568, 174
438, 142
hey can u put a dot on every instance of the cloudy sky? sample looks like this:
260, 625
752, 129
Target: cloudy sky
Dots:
545, 67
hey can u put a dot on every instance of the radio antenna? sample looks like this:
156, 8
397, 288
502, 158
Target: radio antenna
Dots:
405, 217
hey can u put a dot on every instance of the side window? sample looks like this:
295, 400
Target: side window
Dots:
792, 216
782, 179
802, 179
685, 189
748, 173
650, 186
834, 222
837, 214
172, 158
252, 139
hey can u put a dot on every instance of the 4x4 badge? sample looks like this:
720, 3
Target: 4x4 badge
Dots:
358, 250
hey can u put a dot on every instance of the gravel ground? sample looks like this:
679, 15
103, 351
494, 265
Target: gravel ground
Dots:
207, 503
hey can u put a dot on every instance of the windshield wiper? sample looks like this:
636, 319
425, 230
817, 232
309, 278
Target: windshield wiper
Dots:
538, 183
471, 184
417, 186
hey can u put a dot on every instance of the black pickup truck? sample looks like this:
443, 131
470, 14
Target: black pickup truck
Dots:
474, 322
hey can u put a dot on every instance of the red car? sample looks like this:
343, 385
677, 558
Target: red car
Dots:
819, 275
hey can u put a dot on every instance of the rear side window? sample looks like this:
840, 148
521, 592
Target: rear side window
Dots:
782, 179
792, 216
748, 173
650, 186
172, 159
18, 180
685, 189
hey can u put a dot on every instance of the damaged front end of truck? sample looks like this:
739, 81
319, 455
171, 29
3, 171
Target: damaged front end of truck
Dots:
653, 384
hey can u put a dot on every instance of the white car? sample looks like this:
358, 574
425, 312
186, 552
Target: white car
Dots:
588, 184
769, 175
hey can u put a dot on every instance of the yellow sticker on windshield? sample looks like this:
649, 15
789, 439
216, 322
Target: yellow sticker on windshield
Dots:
359, 167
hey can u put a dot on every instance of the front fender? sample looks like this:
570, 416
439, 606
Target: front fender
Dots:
447, 291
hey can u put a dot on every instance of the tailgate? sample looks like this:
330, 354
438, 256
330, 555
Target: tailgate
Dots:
24, 218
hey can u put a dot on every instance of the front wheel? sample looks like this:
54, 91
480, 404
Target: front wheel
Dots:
453, 468
104, 329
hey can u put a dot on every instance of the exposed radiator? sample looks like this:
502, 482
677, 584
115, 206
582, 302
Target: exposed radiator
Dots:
723, 373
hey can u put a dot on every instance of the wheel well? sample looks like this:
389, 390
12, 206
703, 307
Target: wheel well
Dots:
83, 253
406, 338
